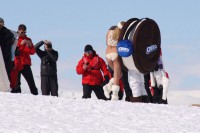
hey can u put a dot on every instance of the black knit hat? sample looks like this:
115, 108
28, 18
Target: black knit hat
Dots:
88, 48
1, 21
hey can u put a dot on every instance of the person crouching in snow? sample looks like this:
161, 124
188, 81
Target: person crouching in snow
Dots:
49, 57
91, 67
112, 59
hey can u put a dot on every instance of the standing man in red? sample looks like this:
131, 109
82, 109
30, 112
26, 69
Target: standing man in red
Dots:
91, 67
23, 51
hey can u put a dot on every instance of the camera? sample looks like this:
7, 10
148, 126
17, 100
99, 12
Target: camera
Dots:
49, 45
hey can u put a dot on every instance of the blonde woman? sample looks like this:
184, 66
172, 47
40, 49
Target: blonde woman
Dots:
112, 59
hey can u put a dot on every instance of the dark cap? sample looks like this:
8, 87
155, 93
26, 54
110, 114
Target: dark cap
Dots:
22, 27
88, 48
1, 21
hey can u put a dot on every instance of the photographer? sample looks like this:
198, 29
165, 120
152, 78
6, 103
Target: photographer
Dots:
22, 61
49, 57
91, 67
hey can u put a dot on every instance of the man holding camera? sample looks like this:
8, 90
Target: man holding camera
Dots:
91, 67
49, 57
22, 61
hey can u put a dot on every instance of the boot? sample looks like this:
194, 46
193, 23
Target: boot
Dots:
145, 99
115, 90
136, 99
108, 88
106, 91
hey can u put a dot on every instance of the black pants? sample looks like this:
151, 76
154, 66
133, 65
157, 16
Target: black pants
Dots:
146, 85
8, 65
127, 88
157, 97
98, 90
49, 85
28, 75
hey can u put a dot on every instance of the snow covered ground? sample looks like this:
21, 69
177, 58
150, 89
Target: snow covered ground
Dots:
71, 114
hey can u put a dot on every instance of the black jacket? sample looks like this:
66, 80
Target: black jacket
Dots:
6, 41
48, 60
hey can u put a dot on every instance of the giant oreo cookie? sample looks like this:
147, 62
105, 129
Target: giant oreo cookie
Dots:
145, 36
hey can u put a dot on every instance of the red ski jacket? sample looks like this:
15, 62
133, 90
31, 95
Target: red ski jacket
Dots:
25, 51
93, 74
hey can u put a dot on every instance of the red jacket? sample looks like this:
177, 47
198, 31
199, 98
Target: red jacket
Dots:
93, 74
25, 51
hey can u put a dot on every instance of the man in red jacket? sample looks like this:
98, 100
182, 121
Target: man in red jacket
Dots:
22, 61
91, 67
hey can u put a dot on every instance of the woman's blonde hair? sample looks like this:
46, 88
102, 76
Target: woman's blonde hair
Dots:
117, 30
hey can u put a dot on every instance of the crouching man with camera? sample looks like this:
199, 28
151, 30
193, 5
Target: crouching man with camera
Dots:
49, 57
94, 73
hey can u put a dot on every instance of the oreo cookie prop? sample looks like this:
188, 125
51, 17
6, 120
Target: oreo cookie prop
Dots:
144, 35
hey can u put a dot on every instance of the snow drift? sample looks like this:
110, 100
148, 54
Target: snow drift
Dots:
29, 113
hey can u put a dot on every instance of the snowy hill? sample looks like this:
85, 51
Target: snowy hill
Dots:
71, 114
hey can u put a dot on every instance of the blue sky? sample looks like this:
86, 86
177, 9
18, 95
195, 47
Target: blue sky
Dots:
71, 24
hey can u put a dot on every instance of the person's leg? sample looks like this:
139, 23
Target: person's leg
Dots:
54, 85
120, 94
98, 90
146, 84
161, 101
156, 96
127, 88
28, 75
87, 91
45, 87
134, 78
8, 65
17, 89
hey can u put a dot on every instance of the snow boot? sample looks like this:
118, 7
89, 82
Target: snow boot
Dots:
108, 88
115, 90
145, 99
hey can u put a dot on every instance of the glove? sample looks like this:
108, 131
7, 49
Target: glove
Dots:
106, 80
17, 51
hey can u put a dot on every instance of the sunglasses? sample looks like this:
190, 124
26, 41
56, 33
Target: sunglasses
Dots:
88, 52
23, 32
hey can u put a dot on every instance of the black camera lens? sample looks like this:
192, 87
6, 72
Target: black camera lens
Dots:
49, 46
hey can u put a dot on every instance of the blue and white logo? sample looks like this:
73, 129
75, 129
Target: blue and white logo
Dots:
122, 49
125, 48
151, 48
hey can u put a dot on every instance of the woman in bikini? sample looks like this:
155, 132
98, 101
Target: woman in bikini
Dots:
112, 59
